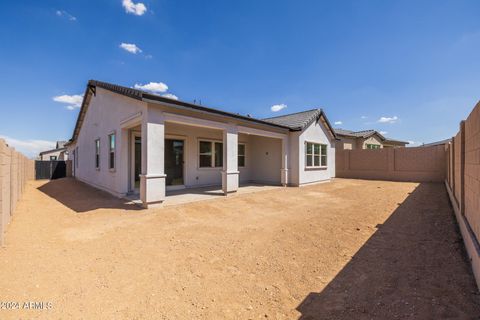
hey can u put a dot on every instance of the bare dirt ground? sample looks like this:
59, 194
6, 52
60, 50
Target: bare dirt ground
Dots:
349, 249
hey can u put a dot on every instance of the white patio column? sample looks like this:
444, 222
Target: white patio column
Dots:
285, 163
152, 179
230, 173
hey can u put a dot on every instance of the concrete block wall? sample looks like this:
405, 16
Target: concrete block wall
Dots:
463, 184
419, 164
15, 171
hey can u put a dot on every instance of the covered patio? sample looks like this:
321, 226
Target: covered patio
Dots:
177, 158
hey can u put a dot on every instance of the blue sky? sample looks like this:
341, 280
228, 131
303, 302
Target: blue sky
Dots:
414, 64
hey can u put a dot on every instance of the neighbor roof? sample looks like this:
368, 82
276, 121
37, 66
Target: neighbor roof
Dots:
365, 134
146, 96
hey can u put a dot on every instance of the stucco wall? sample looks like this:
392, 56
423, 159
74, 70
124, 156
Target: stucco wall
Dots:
346, 143
266, 158
61, 155
105, 113
362, 143
315, 133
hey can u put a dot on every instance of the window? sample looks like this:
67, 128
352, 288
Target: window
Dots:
315, 154
76, 157
111, 151
97, 153
241, 155
210, 154
53, 157
373, 146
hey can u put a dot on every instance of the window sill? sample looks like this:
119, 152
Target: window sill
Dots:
112, 170
209, 168
316, 168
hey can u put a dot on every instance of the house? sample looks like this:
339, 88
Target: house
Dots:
366, 139
437, 143
59, 153
128, 141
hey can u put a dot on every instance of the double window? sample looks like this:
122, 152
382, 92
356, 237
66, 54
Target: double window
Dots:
211, 154
373, 146
315, 155
97, 154
111, 151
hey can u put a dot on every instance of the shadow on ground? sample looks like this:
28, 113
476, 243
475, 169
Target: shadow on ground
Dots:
80, 197
414, 267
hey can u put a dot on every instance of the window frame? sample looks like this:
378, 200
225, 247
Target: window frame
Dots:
53, 158
244, 155
369, 145
314, 154
97, 153
112, 150
212, 153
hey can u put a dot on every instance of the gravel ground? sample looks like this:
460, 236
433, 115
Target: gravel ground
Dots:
349, 249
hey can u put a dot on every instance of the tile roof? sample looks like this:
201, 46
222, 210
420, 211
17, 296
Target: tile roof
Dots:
297, 120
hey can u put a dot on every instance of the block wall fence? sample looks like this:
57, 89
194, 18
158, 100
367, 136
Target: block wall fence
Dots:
15, 171
463, 184
419, 164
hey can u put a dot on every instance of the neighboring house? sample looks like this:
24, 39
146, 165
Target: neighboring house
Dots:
366, 139
129, 141
59, 153
437, 143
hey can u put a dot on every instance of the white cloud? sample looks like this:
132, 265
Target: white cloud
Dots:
383, 132
170, 96
30, 148
411, 142
74, 101
65, 14
388, 119
363, 117
137, 9
130, 47
278, 107
156, 87
338, 123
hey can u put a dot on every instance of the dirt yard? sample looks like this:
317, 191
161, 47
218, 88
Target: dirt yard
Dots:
349, 249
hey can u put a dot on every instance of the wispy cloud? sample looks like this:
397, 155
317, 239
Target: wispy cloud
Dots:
170, 96
363, 117
66, 15
73, 101
388, 119
338, 123
156, 87
278, 107
31, 147
137, 9
383, 133
130, 47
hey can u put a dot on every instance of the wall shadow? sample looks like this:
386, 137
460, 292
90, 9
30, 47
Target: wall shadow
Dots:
81, 197
414, 266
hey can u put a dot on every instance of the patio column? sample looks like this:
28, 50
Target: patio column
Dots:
230, 173
152, 179
285, 163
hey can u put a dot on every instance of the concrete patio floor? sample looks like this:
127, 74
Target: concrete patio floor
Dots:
187, 195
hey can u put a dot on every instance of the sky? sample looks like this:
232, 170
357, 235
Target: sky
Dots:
408, 69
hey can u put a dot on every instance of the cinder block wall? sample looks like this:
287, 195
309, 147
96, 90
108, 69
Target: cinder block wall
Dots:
396, 164
15, 171
464, 184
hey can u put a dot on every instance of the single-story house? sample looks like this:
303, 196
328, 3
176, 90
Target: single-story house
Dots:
128, 141
59, 153
365, 139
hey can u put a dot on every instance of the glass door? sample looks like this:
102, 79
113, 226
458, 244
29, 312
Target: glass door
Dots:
174, 161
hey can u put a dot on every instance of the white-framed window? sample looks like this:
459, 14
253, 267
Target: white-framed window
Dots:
53, 158
315, 155
241, 155
111, 151
210, 154
97, 154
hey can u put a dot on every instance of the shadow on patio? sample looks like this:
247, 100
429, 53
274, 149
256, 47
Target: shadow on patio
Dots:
81, 197
414, 266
